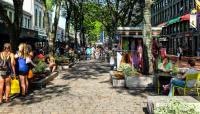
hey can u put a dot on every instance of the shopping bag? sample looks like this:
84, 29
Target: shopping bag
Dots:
15, 88
30, 74
112, 61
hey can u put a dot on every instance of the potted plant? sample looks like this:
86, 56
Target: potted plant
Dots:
131, 76
65, 60
134, 79
123, 70
174, 106
58, 59
39, 70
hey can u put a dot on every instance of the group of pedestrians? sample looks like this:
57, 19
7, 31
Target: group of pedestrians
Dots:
14, 66
94, 53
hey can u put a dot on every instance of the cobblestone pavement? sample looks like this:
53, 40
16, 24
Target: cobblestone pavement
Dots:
83, 89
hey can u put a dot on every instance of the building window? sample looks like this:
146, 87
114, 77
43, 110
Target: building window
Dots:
43, 24
177, 8
40, 19
36, 15
181, 7
174, 13
186, 5
10, 15
24, 22
28, 23
191, 4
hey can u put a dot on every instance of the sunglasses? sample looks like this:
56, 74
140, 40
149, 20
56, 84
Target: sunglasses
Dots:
6, 47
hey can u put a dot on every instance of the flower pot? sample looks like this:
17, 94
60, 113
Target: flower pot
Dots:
118, 74
116, 82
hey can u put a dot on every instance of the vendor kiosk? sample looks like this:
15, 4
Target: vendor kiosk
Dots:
130, 47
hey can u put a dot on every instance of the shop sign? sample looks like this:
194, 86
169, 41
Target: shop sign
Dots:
193, 21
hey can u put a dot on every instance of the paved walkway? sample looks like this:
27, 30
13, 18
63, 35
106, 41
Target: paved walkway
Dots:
83, 89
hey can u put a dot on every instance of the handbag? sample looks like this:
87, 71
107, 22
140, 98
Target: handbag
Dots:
30, 74
15, 88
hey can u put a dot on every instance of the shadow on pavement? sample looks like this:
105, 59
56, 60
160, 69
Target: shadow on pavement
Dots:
86, 70
39, 95
142, 92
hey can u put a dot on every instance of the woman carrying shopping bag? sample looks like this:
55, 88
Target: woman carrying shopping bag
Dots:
7, 66
23, 59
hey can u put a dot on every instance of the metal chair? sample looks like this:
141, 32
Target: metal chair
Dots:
192, 82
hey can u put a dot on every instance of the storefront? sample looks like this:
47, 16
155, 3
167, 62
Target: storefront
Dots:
182, 31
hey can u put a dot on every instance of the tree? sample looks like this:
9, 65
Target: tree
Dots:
67, 13
47, 6
124, 12
92, 26
55, 24
148, 37
15, 26
51, 34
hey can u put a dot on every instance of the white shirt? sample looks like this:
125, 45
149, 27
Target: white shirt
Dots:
191, 71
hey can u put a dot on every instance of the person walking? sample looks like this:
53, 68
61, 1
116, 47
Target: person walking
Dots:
93, 52
179, 52
88, 53
7, 67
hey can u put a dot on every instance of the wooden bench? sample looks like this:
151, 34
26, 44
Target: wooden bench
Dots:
41, 83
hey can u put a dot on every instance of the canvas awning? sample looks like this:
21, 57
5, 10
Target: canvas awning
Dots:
185, 17
174, 21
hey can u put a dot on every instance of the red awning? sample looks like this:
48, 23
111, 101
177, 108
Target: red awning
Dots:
185, 17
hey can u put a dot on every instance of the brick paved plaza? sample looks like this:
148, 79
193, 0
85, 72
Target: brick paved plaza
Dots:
83, 89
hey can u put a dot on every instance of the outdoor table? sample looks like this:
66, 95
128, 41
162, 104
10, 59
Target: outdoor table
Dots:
163, 78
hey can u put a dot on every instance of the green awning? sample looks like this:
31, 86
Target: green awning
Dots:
178, 19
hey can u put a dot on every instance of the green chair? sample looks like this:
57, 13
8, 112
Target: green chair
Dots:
191, 83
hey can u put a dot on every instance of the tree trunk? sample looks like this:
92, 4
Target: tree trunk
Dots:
81, 24
46, 22
55, 26
148, 65
16, 26
67, 25
75, 25
75, 30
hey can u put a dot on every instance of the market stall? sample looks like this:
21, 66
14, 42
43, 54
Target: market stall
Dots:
130, 48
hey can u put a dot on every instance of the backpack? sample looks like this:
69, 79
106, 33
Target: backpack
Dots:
22, 66
3, 63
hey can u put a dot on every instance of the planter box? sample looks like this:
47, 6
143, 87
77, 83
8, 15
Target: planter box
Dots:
139, 81
44, 81
156, 101
116, 82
